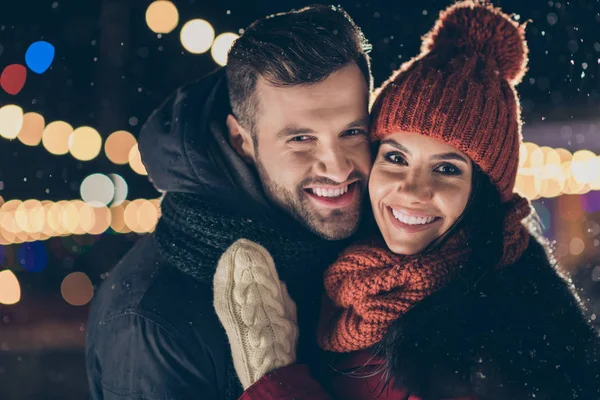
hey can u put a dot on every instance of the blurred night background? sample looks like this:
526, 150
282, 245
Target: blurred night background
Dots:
79, 78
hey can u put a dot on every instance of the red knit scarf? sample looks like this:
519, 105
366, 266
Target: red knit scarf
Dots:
369, 287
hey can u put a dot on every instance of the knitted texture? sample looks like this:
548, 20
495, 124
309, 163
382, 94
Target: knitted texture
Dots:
193, 233
369, 287
461, 90
256, 311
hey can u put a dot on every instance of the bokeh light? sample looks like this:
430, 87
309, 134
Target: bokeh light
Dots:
69, 217
33, 256
10, 290
30, 216
87, 218
197, 36
132, 217
118, 218
591, 201
97, 190
221, 46
579, 166
121, 188
576, 246
135, 161
39, 56
85, 143
55, 137
545, 216
147, 217
102, 220
32, 129
162, 16
11, 121
77, 289
13, 78
118, 145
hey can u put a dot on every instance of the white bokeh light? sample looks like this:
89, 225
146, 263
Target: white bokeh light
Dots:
97, 190
197, 36
221, 47
121, 189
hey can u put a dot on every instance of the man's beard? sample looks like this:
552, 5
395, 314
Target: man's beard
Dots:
337, 225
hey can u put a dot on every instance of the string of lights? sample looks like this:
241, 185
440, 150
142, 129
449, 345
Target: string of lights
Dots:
33, 220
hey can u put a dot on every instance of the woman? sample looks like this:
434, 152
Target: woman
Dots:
453, 298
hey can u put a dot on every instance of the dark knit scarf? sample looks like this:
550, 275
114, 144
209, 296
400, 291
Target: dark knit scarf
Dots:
193, 233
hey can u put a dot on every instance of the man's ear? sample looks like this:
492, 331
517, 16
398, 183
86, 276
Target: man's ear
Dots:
240, 139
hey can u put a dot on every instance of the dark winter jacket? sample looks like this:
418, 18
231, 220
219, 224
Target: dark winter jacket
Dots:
517, 333
153, 332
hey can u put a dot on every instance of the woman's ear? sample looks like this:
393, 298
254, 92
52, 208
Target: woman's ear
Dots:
240, 139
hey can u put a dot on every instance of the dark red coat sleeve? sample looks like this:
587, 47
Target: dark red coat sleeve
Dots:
292, 382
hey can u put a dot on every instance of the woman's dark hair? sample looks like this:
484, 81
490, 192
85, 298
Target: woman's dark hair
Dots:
484, 217
299, 47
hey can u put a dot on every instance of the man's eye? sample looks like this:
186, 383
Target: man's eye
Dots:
301, 138
355, 132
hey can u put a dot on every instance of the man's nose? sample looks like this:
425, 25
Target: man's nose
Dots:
333, 163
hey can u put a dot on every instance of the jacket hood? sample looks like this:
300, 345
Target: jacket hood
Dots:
184, 145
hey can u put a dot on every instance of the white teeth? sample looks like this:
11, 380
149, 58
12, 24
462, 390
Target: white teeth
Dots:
330, 192
410, 220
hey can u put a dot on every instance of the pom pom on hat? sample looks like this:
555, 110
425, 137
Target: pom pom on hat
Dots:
478, 27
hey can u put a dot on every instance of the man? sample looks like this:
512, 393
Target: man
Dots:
272, 148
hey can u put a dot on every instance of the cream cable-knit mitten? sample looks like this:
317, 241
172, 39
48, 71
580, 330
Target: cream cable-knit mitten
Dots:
256, 311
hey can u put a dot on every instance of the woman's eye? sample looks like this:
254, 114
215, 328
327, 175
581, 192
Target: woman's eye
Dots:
395, 158
448, 169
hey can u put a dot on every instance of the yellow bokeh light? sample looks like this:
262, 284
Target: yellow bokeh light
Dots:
528, 186
70, 217
132, 216
536, 158
135, 161
197, 36
576, 246
10, 290
77, 289
55, 137
30, 216
102, 220
47, 229
87, 218
529, 148
147, 216
564, 154
85, 143
552, 157
11, 121
118, 145
8, 221
162, 16
54, 218
221, 46
32, 129
118, 218
522, 155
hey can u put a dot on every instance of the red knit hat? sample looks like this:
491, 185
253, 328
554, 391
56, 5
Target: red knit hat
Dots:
461, 90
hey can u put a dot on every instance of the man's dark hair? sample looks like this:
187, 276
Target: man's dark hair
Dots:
294, 48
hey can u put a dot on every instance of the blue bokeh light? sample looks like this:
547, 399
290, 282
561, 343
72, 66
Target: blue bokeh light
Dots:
33, 256
39, 56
